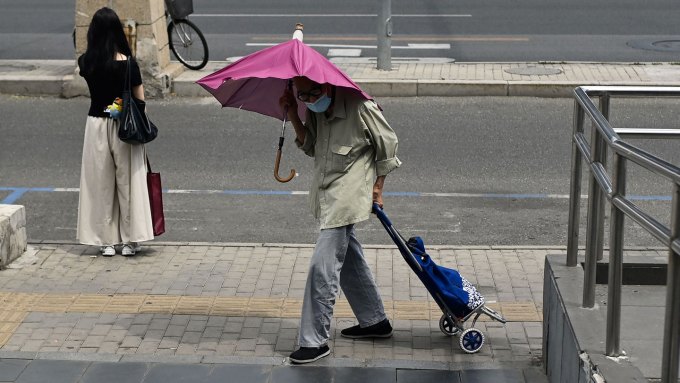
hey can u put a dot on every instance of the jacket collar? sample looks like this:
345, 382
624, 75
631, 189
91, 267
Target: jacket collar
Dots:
339, 106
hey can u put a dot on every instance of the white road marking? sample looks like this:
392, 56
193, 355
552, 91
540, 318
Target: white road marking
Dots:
430, 46
342, 46
340, 52
322, 15
513, 196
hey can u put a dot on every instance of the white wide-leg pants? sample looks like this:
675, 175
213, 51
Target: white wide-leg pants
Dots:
114, 200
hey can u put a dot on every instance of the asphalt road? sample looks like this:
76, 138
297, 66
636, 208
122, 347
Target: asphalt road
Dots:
500, 165
465, 31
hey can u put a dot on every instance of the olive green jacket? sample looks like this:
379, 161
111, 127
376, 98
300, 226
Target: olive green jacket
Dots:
350, 149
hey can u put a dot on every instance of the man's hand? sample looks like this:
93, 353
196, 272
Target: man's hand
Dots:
378, 190
288, 102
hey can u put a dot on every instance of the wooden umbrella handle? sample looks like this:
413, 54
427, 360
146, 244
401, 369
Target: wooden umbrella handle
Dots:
276, 169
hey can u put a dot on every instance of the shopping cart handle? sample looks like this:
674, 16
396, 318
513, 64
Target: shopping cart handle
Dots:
381, 214
398, 239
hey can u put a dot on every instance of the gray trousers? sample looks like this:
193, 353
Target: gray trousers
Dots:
338, 261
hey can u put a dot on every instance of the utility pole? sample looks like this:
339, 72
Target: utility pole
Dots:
385, 35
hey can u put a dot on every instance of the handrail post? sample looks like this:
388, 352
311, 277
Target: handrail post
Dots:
592, 233
671, 338
616, 260
602, 158
575, 189
600, 186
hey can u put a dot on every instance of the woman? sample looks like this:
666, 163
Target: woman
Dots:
114, 202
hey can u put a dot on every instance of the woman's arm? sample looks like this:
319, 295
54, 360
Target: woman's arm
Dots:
138, 92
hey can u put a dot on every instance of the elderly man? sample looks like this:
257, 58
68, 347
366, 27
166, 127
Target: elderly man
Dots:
354, 148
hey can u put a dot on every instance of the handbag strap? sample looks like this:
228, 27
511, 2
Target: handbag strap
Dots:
148, 164
127, 84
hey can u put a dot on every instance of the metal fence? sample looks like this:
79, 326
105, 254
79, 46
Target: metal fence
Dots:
601, 186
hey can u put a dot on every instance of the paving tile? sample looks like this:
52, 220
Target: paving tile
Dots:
177, 373
495, 376
535, 375
295, 374
52, 371
115, 372
260, 322
362, 374
11, 368
427, 376
239, 373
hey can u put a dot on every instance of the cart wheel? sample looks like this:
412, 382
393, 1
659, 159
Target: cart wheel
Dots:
449, 328
471, 340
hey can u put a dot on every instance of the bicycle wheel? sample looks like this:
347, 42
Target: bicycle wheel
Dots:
188, 44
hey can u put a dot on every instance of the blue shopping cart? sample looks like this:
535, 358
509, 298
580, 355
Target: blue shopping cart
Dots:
458, 299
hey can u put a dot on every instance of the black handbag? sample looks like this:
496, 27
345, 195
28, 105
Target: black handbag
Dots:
135, 126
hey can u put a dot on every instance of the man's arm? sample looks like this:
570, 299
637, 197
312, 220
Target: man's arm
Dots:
289, 103
378, 190
383, 138
385, 144
300, 131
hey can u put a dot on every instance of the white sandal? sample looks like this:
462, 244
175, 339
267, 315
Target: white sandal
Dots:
127, 250
108, 251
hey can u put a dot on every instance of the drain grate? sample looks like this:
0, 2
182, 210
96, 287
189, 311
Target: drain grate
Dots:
660, 45
668, 45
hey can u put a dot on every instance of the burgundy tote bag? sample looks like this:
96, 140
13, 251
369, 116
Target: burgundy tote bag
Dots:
153, 182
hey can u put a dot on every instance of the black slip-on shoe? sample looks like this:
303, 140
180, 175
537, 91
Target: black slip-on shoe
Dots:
309, 354
379, 330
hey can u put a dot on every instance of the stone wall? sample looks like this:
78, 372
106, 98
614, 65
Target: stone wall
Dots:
146, 20
12, 233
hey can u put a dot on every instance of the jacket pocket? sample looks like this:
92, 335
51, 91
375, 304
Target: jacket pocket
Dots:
341, 157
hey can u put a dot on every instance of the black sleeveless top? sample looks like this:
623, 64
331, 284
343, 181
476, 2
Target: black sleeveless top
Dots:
106, 86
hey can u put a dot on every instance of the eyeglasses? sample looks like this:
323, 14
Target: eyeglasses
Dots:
315, 91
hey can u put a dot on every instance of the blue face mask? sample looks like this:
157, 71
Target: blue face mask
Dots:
320, 105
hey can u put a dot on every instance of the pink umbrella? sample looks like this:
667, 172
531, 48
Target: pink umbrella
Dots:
257, 81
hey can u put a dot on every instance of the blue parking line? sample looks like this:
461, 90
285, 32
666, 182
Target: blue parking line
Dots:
402, 194
17, 192
14, 195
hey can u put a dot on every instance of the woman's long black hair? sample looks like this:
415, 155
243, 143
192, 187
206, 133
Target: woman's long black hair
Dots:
105, 38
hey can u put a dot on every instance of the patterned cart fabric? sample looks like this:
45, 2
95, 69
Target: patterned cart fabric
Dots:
446, 285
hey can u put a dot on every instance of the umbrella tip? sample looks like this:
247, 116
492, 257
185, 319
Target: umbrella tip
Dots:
297, 34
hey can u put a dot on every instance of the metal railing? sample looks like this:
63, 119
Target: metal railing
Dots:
601, 186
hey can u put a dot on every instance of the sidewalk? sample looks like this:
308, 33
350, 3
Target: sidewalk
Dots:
213, 308
408, 78
209, 312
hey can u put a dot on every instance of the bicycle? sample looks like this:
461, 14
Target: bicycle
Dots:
186, 41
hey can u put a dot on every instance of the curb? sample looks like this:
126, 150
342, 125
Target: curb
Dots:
262, 361
67, 87
38, 242
452, 88
58, 78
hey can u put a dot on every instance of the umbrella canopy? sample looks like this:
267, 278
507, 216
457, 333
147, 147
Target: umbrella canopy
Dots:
257, 81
